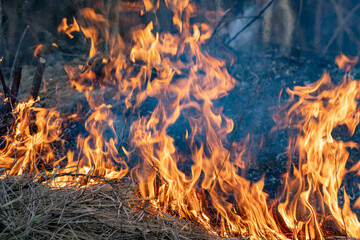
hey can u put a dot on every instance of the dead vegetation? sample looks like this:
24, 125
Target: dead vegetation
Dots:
30, 210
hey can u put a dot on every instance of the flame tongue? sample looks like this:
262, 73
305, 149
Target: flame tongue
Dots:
35, 129
191, 95
312, 191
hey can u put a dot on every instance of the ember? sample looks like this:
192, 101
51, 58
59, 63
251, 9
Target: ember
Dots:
142, 84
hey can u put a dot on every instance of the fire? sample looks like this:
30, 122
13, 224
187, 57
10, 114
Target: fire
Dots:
173, 70
346, 63
97, 156
38, 49
312, 185
28, 147
68, 29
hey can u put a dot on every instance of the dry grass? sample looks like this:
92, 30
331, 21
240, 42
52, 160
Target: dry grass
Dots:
30, 210
33, 210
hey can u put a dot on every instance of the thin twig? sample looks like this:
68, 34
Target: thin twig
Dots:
340, 17
6, 90
221, 21
251, 22
18, 50
38, 78
14, 89
340, 28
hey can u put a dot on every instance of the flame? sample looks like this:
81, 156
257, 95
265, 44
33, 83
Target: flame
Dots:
29, 148
68, 29
97, 156
205, 183
38, 49
311, 190
214, 172
150, 5
177, 7
346, 63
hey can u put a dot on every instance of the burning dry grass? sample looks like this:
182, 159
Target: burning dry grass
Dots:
31, 210
172, 70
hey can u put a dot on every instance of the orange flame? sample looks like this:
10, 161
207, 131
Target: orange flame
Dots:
185, 81
346, 63
68, 29
29, 147
38, 49
311, 191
